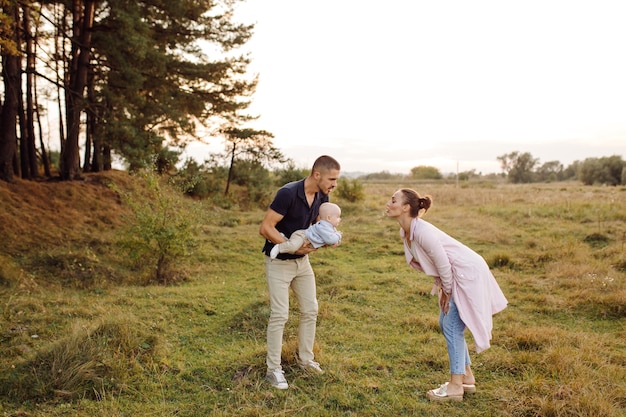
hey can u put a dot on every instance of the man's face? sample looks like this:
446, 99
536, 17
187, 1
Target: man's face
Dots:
327, 181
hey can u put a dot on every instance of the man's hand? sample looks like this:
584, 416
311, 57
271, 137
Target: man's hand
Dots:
305, 249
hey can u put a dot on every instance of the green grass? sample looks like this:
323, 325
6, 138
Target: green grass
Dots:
198, 348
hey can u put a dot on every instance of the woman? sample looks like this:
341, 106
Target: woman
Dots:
468, 293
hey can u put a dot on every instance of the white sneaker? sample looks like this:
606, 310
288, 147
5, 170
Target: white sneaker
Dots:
311, 366
276, 378
274, 252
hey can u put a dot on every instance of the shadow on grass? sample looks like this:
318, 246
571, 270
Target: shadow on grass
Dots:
251, 321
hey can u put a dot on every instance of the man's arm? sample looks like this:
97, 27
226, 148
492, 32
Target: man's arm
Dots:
268, 227
268, 231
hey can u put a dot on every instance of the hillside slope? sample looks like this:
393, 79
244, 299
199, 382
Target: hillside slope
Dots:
61, 229
41, 215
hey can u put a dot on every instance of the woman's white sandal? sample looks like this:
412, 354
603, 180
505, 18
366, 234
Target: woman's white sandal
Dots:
441, 394
468, 388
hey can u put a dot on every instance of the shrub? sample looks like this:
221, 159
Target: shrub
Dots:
350, 190
425, 173
501, 261
289, 174
160, 229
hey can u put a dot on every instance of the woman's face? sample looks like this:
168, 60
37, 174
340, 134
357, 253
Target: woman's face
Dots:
395, 205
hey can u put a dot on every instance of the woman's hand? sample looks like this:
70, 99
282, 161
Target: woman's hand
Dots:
444, 301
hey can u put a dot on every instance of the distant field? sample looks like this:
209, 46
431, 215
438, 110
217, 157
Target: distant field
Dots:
198, 348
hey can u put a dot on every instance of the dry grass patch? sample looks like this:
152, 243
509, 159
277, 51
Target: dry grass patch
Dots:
90, 361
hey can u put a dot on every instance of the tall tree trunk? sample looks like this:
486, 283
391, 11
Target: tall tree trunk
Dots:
97, 159
45, 161
231, 168
60, 64
90, 125
30, 77
107, 162
8, 115
23, 140
79, 67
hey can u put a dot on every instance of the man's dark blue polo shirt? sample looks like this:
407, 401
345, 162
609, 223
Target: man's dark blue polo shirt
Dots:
290, 201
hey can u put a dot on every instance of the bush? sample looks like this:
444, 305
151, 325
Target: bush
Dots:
289, 174
201, 181
160, 229
501, 260
425, 173
350, 190
606, 170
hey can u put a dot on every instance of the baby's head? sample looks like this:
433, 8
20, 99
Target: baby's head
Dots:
330, 212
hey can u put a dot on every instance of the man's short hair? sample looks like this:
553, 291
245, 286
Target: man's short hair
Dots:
325, 163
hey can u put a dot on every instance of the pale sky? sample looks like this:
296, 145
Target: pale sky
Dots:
386, 86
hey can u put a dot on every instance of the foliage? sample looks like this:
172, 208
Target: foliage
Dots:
382, 175
425, 173
249, 151
143, 76
202, 181
160, 234
165, 160
518, 166
289, 173
253, 185
256, 180
571, 171
156, 81
605, 170
465, 175
350, 189
523, 168
7, 30
549, 172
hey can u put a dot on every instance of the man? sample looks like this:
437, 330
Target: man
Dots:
295, 206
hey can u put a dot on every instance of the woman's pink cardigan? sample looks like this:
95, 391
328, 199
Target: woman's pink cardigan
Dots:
460, 271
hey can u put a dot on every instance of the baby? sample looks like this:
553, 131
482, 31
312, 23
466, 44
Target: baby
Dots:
322, 233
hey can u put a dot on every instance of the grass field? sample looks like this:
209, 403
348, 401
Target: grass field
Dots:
105, 347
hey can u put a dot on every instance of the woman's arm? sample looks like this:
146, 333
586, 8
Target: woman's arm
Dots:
432, 246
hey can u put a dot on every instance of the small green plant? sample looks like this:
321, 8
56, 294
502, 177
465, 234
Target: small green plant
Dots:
501, 260
160, 232
350, 190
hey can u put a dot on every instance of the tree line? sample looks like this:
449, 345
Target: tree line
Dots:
522, 167
123, 79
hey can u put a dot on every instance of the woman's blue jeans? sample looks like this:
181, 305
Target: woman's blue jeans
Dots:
453, 330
